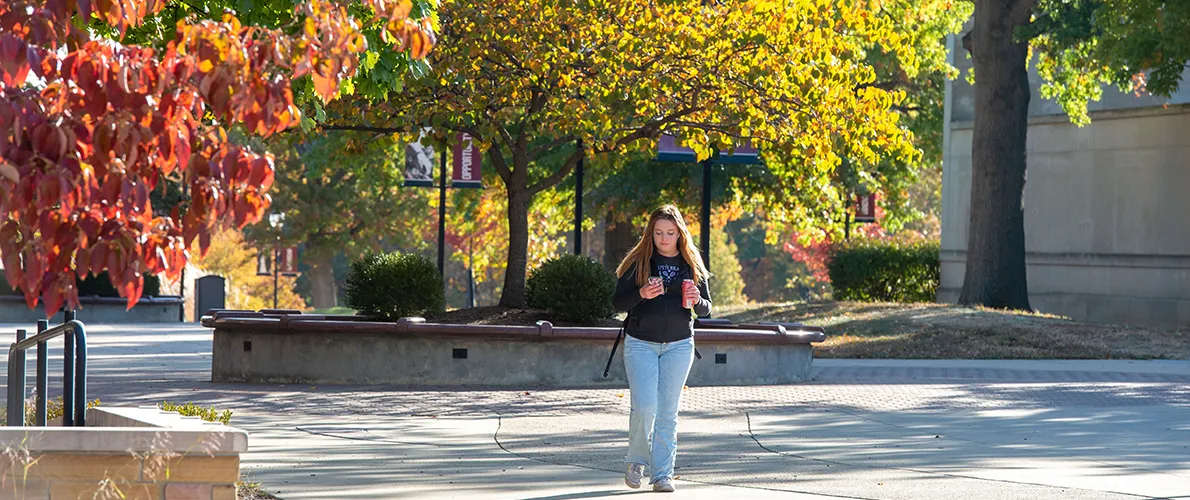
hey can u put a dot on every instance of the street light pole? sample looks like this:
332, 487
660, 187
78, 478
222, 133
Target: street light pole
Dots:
442, 211
578, 201
277, 221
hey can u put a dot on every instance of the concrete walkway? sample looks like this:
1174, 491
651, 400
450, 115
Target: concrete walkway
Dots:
865, 429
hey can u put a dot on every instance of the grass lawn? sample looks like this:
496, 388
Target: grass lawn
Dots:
943, 331
917, 331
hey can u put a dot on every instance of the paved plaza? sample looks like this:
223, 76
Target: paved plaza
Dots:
864, 429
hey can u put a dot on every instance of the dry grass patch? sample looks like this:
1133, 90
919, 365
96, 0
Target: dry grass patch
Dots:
944, 331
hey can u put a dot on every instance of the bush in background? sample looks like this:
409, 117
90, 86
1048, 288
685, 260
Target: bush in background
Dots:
573, 287
102, 286
96, 286
395, 285
884, 271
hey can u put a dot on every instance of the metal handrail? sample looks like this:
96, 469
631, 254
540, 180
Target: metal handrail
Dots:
74, 397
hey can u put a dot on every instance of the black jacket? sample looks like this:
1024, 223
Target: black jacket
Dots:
662, 318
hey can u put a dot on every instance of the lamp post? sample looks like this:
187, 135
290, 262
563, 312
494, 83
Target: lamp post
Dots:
277, 221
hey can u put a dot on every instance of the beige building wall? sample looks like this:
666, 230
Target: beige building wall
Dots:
1105, 207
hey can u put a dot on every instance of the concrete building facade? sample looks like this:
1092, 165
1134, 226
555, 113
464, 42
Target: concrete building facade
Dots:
1105, 234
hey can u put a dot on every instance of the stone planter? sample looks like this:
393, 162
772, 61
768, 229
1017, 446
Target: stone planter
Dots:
303, 348
130, 453
163, 309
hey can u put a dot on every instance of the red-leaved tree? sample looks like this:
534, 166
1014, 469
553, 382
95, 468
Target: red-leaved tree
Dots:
89, 127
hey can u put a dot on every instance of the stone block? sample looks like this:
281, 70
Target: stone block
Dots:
223, 492
75, 490
14, 488
1109, 309
55, 466
188, 491
1114, 134
1183, 313
192, 469
1154, 311
960, 142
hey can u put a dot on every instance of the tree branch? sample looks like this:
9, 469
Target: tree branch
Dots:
536, 153
361, 128
558, 175
498, 161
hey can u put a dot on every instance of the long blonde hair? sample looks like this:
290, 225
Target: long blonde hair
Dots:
640, 254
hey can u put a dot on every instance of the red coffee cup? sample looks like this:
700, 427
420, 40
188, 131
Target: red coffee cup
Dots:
686, 285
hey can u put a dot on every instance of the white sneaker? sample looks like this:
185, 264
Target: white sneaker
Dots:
663, 485
634, 474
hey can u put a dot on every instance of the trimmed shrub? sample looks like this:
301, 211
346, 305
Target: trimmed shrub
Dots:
54, 408
208, 414
573, 287
884, 271
395, 285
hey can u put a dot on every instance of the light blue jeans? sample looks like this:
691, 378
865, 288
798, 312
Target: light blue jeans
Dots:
656, 374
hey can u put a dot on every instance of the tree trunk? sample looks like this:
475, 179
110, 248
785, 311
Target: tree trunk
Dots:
619, 239
518, 243
995, 275
322, 283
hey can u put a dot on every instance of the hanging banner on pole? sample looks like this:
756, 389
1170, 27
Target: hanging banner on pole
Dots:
468, 161
419, 162
865, 208
669, 150
264, 263
289, 263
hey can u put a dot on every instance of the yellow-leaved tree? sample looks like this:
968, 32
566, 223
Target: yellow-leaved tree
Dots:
234, 259
530, 78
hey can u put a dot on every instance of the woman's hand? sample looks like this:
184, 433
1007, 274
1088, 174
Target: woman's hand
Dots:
651, 290
690, 293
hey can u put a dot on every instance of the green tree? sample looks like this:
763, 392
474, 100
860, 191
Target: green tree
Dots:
341, 194
528, 79
727, 286
1080, 45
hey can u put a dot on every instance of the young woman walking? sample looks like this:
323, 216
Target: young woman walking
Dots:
661, 282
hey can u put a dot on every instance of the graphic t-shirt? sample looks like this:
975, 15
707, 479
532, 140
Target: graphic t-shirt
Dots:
668, 268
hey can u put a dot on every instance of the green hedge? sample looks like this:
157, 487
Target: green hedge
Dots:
572, 287
881, 271
395, 285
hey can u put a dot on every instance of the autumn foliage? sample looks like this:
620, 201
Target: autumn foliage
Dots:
89, 127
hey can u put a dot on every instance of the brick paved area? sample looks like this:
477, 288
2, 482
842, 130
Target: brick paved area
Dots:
148, 364
886, 430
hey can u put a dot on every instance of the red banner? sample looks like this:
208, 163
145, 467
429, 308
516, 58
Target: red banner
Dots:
289, 261
865, 208
467, 162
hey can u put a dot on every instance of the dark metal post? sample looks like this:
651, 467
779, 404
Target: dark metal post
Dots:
471, 273
80, 396
68, 374
17, 380
182, 294
578, 201
276, 271
442, 212
13, 395
705, 223
43, 373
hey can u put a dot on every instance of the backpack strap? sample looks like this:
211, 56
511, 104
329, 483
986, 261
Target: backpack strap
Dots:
607, 369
